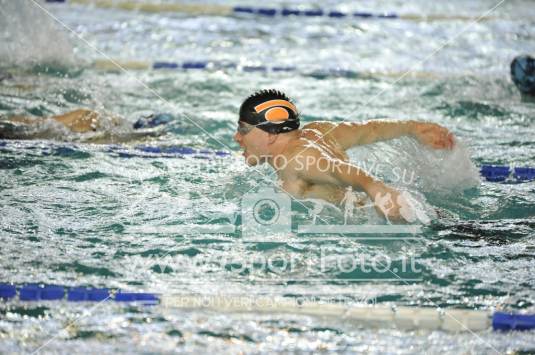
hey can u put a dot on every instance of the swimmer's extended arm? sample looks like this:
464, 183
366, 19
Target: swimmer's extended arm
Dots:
313, 167
350, 134
80, 120
25, 120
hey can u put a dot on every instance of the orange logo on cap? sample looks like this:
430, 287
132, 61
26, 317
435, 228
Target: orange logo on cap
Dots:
276, 113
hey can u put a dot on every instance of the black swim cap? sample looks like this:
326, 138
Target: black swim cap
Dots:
523, 74
271, 111
153, 120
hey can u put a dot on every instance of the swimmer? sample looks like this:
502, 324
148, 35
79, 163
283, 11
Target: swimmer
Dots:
311, 162
523, 75
77, 121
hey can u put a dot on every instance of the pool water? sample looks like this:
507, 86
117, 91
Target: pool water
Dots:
74, 212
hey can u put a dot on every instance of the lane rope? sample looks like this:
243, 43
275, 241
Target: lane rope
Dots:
454, 320
210, 65
222, 10
500, 173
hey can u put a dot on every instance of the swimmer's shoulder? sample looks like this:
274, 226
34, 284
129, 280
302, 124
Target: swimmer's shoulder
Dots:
311, 141
323, 136
324, 130
322, 126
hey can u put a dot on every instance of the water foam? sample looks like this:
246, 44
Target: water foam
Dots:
29, 36
406, 163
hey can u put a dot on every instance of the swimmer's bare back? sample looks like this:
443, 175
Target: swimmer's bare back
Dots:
79, 121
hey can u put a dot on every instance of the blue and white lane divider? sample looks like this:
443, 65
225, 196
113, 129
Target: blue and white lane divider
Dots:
36, 292
496, 173
207, 65
383, 316
141, 151
222, 10
491, 173
271, 12
213, 66
205, 9
145, 151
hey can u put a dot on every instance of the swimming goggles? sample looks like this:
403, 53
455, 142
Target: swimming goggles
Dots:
244, 128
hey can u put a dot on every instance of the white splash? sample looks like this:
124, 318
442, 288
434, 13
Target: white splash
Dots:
406, 163
29, 36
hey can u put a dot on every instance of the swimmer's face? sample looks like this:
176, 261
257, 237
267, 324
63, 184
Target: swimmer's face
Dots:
254, 143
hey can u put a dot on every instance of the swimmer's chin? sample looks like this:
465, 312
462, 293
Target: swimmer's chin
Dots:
251, 160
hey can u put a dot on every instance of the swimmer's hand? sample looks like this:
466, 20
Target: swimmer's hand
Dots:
386, 201
433, 135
